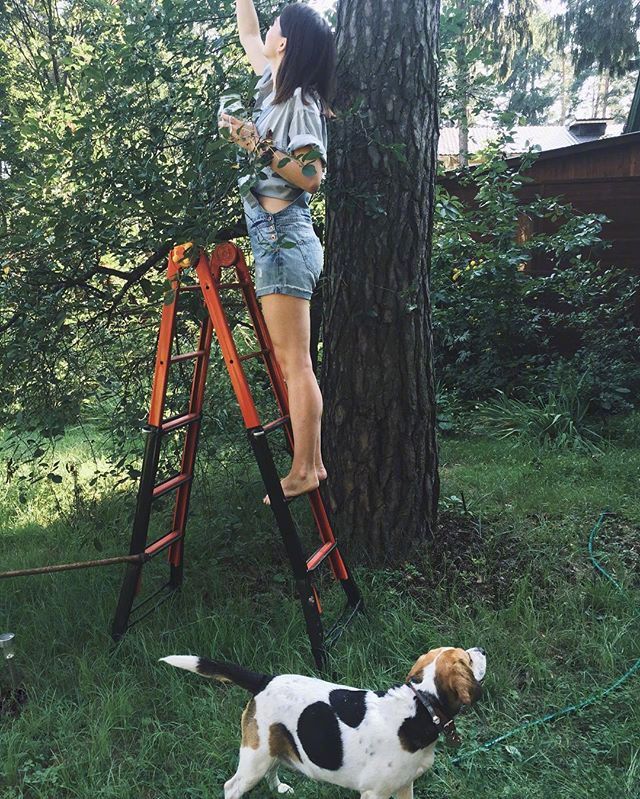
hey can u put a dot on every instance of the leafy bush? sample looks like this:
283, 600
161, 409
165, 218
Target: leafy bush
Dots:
556, 421
452, 413
588, 320
497, 327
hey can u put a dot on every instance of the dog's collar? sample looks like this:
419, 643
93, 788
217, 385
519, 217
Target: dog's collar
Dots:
448, 728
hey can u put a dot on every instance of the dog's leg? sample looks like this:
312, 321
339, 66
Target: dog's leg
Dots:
405, 793
252, 767
274, 783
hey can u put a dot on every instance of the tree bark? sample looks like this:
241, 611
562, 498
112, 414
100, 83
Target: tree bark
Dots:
563, 91
605, 95
379, 441
596, 97
462, 98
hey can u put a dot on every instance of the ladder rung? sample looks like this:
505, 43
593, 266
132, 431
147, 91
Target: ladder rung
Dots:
252, 355
316, 559
162, 543
230, 285
276, 423
189, 287
170, 484
186, 356
146, 601
179, 421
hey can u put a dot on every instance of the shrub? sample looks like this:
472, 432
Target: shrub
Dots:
556, 421
496, 327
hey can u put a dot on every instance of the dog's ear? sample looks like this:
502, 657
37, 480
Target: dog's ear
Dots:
455, 676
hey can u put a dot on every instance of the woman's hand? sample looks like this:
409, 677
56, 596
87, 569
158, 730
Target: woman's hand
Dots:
242, 132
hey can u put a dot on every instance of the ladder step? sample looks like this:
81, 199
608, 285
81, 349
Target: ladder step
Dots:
230, 285
148, 599
252, 355
189, 287
321, 554
167, 590
186, 356
162, 543
275, 424
170, 484
176, 422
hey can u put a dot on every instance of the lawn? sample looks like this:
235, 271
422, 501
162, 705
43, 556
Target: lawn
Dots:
509, 571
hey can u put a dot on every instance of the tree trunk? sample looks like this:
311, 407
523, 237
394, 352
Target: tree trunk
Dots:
379, 441
596, 97
563, 91
462, 98
605, 95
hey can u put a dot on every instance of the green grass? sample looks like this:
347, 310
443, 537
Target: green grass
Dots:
513, 576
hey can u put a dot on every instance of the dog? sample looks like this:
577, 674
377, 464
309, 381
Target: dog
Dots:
374, 742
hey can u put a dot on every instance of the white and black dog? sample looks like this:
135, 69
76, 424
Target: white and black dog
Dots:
375, 742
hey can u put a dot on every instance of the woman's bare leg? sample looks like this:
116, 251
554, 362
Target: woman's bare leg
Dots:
320, 469
288, 321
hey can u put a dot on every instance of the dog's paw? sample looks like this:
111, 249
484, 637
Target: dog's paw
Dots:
284, 788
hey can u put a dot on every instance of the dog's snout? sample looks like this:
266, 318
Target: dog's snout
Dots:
478, 662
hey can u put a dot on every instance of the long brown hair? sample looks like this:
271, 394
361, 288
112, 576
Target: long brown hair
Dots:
309, 57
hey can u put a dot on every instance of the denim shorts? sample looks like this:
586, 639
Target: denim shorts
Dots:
280, 269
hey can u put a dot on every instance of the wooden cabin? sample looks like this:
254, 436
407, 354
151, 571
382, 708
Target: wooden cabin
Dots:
600, 176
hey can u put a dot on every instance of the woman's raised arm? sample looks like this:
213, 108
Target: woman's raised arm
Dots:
248, 24
251, 41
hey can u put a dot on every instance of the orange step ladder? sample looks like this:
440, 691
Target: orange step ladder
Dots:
209, 273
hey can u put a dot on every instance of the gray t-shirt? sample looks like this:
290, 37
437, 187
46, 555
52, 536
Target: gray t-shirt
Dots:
294, 125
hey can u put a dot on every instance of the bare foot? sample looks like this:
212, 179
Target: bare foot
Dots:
321, 473
294, 486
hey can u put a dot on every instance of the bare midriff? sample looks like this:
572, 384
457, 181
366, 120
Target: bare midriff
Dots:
272, 204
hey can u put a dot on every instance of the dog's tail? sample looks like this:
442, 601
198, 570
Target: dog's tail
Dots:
251, 681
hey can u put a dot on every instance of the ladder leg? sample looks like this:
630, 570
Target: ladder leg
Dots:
140, 528
293, 547
133, 575
157, 427
229, 256
175, 571
196, 400
354, 597
313, 621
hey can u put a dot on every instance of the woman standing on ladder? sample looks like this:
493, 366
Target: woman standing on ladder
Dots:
297, 65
